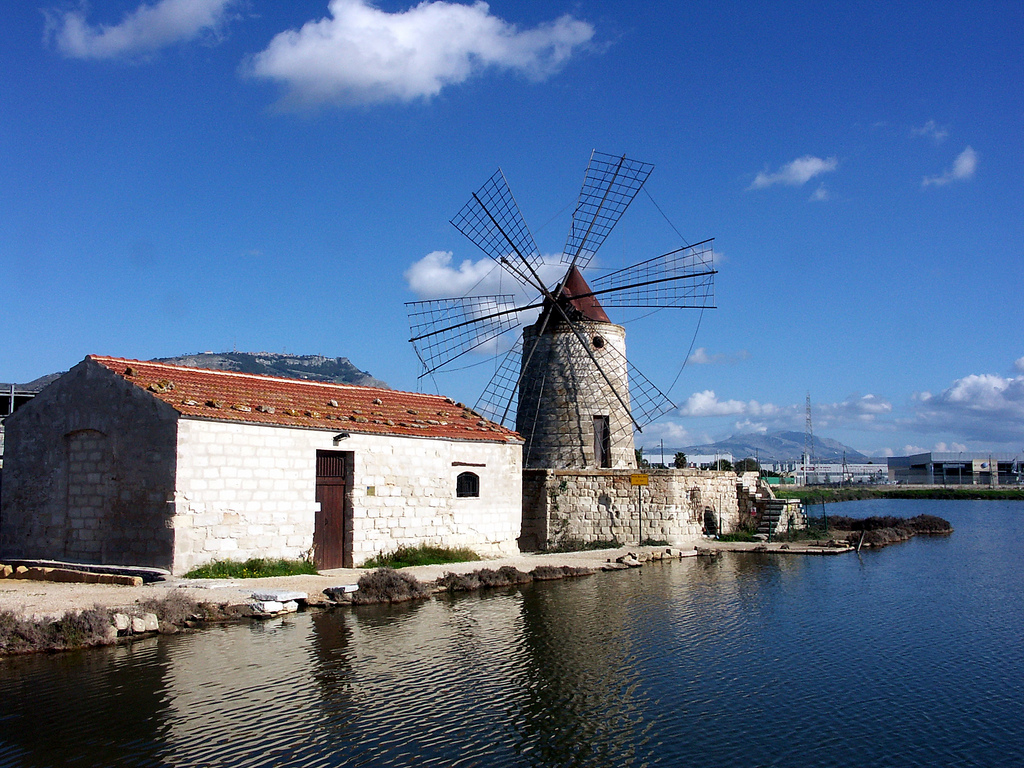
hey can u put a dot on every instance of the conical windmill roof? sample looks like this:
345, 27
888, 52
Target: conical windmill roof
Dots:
579, 294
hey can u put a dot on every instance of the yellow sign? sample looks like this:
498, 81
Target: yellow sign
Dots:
638, 479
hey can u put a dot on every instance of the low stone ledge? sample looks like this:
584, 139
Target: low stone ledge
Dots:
67, 576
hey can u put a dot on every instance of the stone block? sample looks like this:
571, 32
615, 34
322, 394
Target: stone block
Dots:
267, 606
279, 595
139, 625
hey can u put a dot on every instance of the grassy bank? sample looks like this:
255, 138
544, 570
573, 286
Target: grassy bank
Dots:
855, 493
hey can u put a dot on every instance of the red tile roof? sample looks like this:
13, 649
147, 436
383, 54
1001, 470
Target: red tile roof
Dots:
230, 396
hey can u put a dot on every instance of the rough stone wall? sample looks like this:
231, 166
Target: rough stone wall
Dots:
250, 490
89, 468
562, 391
600, 505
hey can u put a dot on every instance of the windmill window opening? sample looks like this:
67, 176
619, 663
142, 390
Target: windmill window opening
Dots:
467, 485
598, 342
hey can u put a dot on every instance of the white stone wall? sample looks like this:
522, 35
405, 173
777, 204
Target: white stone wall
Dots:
250, 491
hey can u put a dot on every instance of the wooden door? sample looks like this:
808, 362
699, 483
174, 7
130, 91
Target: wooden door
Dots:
333, 524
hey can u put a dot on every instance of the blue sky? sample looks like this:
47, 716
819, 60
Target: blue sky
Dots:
190, 175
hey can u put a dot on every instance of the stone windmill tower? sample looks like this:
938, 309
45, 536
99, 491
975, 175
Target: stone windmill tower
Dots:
566, 384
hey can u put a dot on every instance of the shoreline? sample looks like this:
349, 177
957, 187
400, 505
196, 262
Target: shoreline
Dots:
38, 600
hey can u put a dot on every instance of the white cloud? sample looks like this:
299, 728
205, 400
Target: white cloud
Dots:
700, 356
963, 168
820, 194
361, 54
796, 173
1019, 364
985, 408
672, 433
434, 277
706, 403
931, 130
144, 30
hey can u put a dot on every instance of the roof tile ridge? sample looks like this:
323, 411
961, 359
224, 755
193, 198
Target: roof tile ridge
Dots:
262, 376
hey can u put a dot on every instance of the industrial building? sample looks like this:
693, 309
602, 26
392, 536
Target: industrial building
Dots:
957, 468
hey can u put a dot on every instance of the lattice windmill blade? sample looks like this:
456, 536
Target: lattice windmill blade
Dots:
444, 329
682, 278
648, 403
492, 220
609, 186
498, 402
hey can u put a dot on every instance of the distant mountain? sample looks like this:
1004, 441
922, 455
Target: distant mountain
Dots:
779, 446
337, 370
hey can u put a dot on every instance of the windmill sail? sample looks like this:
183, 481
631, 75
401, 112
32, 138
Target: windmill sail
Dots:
498, 400
492, 220
609, 186
444, 329
682, 278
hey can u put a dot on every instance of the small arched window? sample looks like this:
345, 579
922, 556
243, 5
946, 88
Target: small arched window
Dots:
467, 485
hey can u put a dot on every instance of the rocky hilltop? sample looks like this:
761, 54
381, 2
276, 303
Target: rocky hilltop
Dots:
337, 370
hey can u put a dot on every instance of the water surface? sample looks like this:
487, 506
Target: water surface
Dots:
908, 656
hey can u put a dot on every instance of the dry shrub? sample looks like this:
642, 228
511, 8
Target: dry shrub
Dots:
929, 524
513, 575
547, 573
75, 629
176, 609
386, 585
506, 576
217, 612
459, 582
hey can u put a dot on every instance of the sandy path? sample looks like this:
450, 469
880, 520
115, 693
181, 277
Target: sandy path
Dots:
43, 598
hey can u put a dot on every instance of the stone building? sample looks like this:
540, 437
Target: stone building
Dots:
141, 463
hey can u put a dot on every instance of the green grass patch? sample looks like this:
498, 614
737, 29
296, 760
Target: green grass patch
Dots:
424, 554
253, 568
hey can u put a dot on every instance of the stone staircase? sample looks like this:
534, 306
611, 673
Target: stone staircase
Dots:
774, 515
780, 516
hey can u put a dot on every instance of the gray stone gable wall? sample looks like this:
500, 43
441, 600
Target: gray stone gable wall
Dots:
89, 470
562, 506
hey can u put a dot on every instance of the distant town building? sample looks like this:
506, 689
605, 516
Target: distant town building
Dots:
706, 460
957, 468
829, 473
